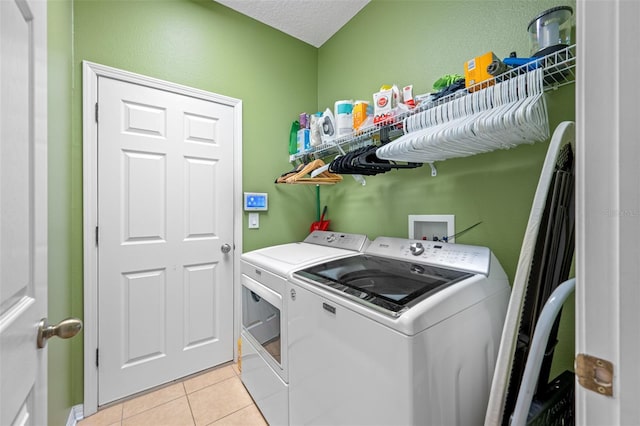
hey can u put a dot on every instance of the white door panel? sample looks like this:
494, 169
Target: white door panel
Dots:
608, 207
164, 211
23, 211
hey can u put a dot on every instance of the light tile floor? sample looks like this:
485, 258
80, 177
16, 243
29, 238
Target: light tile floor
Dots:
214, 397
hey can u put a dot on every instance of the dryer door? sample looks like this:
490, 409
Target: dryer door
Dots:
262, 322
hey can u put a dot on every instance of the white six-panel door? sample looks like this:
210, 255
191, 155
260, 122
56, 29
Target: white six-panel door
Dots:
23, 210
165, 211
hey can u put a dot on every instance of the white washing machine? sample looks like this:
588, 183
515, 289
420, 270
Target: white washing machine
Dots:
264, 313
405, 333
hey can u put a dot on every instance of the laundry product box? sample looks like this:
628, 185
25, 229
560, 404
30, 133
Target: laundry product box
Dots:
384, 103
304, 143
475, 71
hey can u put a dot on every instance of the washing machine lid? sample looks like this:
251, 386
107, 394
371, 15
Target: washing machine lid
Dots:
388, 285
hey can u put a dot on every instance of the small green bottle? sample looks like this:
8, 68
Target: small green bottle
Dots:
293, 137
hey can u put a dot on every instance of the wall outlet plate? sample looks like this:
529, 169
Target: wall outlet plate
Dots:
432, 227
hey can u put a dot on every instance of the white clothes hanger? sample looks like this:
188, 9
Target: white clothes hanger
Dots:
504, 115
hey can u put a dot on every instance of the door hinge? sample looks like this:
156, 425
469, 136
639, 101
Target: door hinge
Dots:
96, 235
595, 374
97, 358
96, 112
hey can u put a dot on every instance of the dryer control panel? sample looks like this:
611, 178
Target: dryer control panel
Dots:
474, 259
355, 242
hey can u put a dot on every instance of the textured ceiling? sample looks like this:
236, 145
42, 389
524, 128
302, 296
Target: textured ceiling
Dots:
312, 21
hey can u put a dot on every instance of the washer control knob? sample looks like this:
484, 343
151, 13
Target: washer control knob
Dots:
416, 249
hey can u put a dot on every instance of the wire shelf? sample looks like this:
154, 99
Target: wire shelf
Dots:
558, 70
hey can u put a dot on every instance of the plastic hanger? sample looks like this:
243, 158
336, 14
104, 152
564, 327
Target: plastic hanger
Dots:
356, 177
504, 115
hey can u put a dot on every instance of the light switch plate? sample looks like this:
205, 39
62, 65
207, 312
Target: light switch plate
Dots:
254, 220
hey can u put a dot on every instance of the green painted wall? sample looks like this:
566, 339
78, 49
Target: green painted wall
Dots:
61, 291
416, 42
208, 46
197, 43
202, 44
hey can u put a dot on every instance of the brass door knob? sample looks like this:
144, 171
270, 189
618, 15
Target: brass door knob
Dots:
65, 330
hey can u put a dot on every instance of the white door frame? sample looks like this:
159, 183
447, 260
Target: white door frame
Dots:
91, 72
608, 205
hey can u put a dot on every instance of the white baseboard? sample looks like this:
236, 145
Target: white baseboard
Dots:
75, 415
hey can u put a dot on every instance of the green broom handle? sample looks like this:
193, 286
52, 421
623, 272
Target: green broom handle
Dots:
317, 202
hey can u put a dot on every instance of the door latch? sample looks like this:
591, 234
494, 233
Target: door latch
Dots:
595, 374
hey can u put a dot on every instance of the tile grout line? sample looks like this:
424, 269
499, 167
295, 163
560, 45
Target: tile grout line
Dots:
212, 384
251, 402
219, 382
209, 385
155, 406
233, 412
193, 418
185, 394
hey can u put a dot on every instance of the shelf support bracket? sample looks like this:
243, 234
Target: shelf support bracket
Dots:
434, 172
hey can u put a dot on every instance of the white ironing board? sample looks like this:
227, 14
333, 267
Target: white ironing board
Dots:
564, 133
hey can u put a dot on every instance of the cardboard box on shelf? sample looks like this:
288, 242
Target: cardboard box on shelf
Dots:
475, 72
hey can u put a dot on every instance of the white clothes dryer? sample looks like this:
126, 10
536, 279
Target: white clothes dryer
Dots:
265, 273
